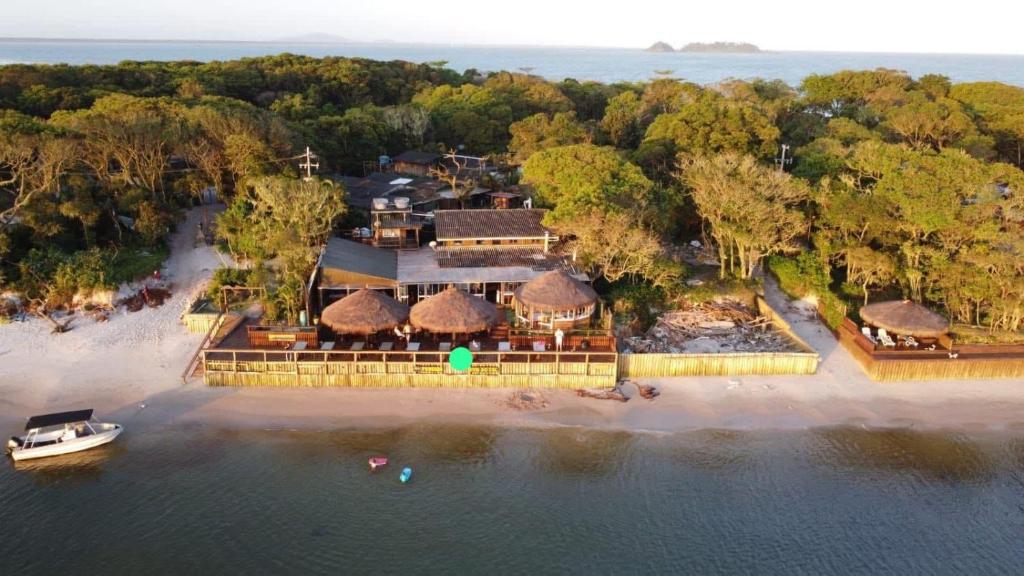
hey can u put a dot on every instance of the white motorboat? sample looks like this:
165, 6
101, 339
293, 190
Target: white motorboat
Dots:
61, 433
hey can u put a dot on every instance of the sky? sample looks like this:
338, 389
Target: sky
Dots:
976, 26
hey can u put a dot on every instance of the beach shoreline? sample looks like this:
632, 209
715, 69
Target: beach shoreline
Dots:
129, 370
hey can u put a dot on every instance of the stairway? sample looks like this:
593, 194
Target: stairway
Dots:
500, 331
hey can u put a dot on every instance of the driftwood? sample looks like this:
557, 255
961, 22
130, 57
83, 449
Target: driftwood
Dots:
711, 327
613, 394
39, 309
647, 391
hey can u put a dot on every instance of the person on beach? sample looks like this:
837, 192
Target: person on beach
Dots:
558, 339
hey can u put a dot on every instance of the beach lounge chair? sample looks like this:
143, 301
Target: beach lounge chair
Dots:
387, 346
885, 339
910, 342
866, 331
504, 346
413, 346
299, 346
327, 345
357, 346
445, 347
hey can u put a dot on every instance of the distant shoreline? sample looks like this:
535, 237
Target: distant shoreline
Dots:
42, 40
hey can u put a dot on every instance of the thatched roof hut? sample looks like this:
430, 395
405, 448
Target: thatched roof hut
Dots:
906, 318
453, 311
555, 291
364, 312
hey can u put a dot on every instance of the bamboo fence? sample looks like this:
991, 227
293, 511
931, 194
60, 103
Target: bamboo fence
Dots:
724, 364
402, 369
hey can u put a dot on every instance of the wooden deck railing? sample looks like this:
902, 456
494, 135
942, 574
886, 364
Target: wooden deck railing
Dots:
404, 368
951, 362
281, 336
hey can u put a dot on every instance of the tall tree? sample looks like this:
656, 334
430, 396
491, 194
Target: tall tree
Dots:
753, 211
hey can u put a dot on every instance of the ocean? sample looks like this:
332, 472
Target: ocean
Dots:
601, 64
488, 500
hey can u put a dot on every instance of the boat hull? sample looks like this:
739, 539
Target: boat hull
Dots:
69, 447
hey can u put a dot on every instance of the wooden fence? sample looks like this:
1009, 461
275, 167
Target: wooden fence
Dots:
402, 369
725, 364
959, 362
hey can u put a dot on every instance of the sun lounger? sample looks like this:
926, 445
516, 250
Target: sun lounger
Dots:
866, 331
910, 342
327, 345
357, 346
299, 346
413, 347
504, 346
539, 346
445, 347
885, 339
387, 346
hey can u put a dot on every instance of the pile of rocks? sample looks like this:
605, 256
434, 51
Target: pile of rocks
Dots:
709, 328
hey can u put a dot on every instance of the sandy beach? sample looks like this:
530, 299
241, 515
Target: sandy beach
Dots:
129, 370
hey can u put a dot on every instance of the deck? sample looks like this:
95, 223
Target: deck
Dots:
501, 360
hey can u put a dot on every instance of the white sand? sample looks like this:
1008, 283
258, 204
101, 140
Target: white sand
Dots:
137, 359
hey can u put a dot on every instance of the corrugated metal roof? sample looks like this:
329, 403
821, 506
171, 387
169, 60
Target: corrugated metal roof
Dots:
349, 256
489, 224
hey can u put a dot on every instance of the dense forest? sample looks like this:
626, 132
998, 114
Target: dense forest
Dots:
898, 187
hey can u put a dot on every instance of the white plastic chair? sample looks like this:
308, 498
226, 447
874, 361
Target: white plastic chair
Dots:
866, 331
885, 339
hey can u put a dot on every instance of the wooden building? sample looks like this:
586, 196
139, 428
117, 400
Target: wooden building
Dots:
486, 253
415, 162
393, 224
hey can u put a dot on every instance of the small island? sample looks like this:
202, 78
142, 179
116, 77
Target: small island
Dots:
661, 47
721, 48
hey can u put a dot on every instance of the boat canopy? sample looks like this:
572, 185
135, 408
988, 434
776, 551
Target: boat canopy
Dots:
58, 418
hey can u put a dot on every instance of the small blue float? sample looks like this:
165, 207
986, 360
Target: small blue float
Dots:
406, 475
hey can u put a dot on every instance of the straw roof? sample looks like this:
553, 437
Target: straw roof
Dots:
364, 312
453, 311
905, 317
556, 291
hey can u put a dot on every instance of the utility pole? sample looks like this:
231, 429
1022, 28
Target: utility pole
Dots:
307, 163
782, 161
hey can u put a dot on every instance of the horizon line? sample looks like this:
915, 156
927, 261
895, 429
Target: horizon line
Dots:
347, 42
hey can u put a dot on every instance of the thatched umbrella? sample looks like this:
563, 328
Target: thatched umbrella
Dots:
552, 292
906, 318
453, 311
364, 312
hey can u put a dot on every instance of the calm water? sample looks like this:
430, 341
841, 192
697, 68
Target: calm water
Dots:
483, 500
604, 64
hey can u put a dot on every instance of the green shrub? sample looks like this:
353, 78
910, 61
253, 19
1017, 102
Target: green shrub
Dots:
801, 276
130, 264
640, 302
227, 277
807, 275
